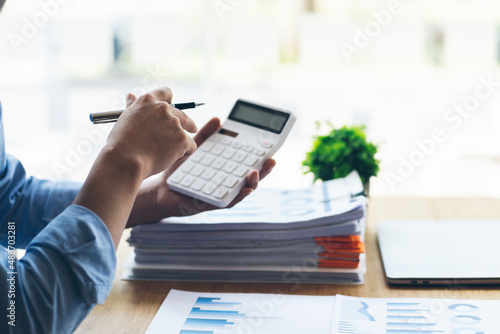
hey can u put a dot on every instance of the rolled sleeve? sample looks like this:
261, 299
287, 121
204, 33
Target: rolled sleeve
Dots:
68, 268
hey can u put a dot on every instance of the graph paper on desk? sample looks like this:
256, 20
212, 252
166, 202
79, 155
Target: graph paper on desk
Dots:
237, 313
223, 313
355, 315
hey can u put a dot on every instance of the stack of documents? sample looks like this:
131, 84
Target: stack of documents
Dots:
314, 235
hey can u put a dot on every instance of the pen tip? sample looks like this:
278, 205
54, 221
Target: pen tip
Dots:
200, 104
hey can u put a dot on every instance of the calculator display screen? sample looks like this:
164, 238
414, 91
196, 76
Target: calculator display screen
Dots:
228, 132
259, 116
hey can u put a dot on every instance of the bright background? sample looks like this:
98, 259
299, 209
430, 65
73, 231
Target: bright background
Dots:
80, 57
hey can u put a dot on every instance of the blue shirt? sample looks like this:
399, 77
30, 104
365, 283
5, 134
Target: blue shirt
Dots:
70, 259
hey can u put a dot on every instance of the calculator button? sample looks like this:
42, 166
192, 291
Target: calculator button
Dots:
198, 185
219, 178
251, 160
230, 182
186, 167
237, 145
197, 156
197, 170
207, 160
259, 152
208, 174
218, 149
220, 192
187, 180
230, 167
209, 188
207, 146
215, 137
266, 144
218, 163
240, 171
226, 141
248, 148
239, 156
176, 177
228, 153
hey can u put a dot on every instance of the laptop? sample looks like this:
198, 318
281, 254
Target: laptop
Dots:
440, 252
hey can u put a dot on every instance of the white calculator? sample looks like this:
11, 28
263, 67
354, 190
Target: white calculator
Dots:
216, 172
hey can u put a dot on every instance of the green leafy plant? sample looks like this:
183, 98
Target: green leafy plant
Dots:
340, 152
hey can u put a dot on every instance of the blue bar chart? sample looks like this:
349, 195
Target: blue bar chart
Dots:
409, 318
211, 315
355, 315
368, 316
185, 312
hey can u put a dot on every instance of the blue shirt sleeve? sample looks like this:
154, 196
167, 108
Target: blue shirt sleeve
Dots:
70, 259
30, 202
68, 268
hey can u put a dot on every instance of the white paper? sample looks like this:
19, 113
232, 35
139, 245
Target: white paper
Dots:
328, 199
355, 315
228, 313
130, 263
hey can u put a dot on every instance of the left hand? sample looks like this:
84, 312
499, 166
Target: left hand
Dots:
156, 200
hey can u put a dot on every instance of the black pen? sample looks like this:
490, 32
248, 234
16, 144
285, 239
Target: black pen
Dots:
112, 116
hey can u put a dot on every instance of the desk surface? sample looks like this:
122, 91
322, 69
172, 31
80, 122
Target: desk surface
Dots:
131, 305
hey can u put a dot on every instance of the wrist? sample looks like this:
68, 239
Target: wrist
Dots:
111, 188
146, 207
115, 161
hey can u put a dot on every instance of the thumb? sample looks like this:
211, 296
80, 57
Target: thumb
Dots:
130, 99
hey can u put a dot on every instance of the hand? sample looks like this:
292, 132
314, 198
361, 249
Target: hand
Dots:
148, 138
157, 201
151, 132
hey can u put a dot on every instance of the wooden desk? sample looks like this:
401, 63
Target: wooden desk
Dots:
131, 306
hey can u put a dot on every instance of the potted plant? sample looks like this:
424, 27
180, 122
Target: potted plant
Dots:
340, 152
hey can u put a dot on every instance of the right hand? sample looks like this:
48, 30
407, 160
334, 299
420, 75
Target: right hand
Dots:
152, 133
148, 138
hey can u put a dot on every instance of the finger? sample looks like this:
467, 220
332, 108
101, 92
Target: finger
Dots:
163, 94
191, 147
207, 130
243, 193
267, 168
130, 99
253, 179
186, 122
176, 165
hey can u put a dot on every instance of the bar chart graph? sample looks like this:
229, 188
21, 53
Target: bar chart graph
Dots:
410, 318
185, 312
368, 316
231, 313
355, 315
210, 315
